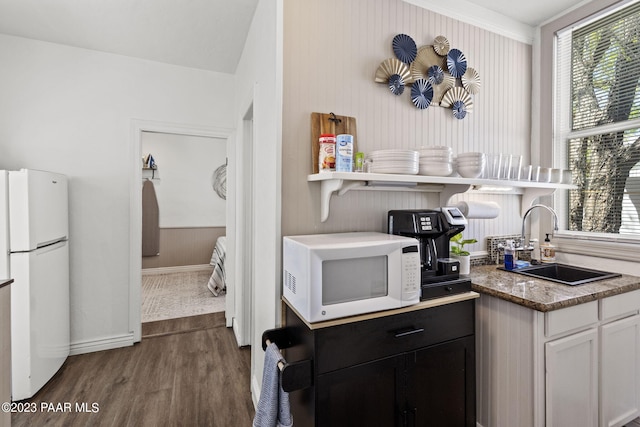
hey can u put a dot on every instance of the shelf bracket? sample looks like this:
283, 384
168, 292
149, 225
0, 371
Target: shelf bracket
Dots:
529, 195
330, 186
451, 190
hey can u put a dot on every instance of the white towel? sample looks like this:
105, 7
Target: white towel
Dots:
273, 407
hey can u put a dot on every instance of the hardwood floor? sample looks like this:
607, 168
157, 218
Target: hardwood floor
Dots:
185, 372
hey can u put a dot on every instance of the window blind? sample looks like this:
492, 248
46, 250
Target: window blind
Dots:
597, 102
605, 57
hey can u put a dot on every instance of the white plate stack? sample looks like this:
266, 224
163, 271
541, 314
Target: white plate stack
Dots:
405, 162
470, 165
436, 161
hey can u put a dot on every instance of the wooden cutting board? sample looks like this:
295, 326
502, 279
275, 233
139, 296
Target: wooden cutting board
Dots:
330, 123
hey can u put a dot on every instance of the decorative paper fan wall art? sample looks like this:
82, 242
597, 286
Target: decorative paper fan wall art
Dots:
456, 63
395, 73
435, 74
439, 90
471, 81
441, 45
425, 59
392, 66
421, 93
459, 100
396, 84
405, 48
438, 75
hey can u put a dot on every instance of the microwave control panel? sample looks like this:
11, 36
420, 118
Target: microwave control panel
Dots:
411, 276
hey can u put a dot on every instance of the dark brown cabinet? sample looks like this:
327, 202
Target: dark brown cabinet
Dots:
415, 368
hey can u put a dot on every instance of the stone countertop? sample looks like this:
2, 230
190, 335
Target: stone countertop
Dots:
544, 295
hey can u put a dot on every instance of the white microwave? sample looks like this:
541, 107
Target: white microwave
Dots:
327, 276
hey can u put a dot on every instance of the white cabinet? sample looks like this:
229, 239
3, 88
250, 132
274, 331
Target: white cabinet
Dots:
574, 367
571, 381
620, 371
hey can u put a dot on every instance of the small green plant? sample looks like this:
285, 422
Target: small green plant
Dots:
458, 245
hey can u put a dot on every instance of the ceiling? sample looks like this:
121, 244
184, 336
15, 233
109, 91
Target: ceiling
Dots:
532, 13
206, 34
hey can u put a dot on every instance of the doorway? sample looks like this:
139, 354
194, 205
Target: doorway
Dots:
138, 129
183, 225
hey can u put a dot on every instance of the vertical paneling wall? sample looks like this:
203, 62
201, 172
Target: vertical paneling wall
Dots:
332, 49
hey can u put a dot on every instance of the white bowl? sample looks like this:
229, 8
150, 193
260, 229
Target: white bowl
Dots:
440, 159
435, 162
471, 155
436, 169
437, 151
470, 171
470, 162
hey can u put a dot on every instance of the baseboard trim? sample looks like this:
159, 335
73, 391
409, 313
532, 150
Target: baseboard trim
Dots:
176, 269
101, 344
255, 390
236, 333
228, 321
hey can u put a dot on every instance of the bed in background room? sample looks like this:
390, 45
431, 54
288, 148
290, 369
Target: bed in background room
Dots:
217, 284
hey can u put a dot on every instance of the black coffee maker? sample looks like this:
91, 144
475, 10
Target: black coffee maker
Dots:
433, 228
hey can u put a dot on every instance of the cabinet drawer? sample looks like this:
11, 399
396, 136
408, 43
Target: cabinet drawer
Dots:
571, 318
619, 305
354, 343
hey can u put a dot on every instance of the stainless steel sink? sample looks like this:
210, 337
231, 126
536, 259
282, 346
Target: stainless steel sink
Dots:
566, 274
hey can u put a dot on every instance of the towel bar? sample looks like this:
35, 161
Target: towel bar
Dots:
293, 375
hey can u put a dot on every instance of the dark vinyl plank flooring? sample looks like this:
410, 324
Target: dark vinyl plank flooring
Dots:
185, 372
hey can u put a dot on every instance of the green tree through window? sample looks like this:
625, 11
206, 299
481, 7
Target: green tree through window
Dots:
603, 139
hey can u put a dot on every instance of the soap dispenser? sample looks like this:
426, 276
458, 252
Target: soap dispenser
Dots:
547, 251
509, 255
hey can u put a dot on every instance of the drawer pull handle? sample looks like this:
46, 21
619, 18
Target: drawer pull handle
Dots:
409, 332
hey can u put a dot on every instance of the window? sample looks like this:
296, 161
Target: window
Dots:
597, 122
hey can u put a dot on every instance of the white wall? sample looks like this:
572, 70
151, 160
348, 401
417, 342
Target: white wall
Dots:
259, 82
183, 179
70, 110
332, 50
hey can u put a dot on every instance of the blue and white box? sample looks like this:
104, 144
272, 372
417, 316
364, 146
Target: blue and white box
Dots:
344, 153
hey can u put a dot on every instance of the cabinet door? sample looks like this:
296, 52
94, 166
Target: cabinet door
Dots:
572, 380
620, 377
441, 384
363, 395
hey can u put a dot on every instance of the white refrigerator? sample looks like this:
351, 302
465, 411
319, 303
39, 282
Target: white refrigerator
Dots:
34, 251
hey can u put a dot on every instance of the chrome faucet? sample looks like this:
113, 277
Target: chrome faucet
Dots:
524, 218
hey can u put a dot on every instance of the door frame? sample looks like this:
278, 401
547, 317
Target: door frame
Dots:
244, 272
135, 206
